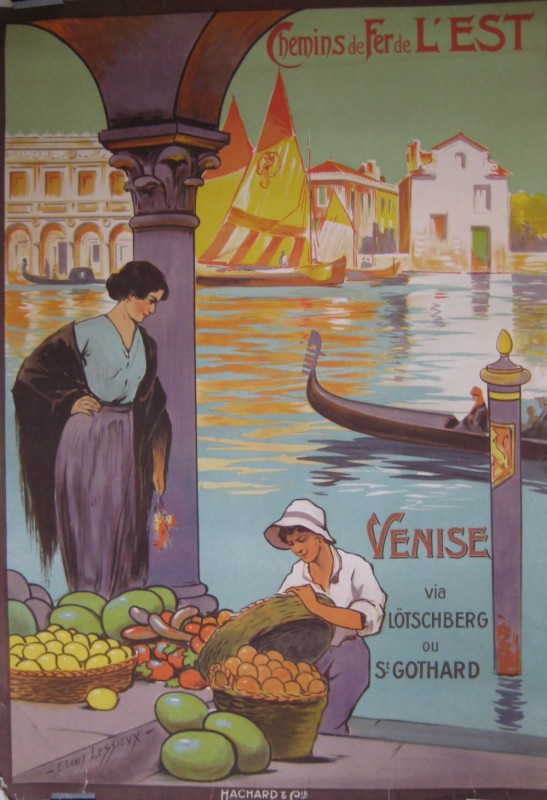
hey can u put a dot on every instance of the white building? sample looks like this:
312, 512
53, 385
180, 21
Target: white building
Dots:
65, 207
454, 208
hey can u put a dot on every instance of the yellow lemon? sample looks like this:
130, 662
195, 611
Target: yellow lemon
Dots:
13, 660
92, 637
48, 662
113, 642
34, 650
76, 649
68, 663
81, 638
128, 651
15, 639
30, 639
53, 628
54, 646
29, 666
100, 646
100, 660
63, 636
17, 650
116, 654
102, 699
44, 636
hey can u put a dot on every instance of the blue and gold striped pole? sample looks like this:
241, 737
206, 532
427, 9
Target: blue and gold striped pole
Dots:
504, 379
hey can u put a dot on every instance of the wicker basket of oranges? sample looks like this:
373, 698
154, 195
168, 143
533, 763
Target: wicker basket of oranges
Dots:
260, 665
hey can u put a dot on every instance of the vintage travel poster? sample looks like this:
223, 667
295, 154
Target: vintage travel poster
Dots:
275, 401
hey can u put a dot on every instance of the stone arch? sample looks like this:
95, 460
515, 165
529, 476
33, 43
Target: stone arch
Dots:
54, 254
89, 247
18, 249
120, 246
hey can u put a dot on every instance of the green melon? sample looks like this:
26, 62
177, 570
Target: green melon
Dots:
82, 619
21, 620
167, 595
116, 616
94, 602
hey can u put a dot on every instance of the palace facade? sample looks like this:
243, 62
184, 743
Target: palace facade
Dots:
65, 207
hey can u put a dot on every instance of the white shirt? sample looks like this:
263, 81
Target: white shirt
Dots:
352, 585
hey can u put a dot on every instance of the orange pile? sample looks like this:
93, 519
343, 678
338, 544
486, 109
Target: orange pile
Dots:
266, 673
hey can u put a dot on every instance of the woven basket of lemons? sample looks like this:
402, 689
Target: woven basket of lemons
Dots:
62, 666
260, 664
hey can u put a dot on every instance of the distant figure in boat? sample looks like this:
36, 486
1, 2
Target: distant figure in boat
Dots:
532, 418
538, 429
283, 260
477, 419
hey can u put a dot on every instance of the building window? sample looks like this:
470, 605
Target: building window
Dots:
86, 183
460, 160
382, 205
18, 184
321, 196
439, 227
481, 198
117, 183
53, 184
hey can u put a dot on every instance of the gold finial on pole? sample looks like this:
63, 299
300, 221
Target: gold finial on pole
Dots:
505, 343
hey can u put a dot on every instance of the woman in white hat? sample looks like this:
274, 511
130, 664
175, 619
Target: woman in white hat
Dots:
358, 610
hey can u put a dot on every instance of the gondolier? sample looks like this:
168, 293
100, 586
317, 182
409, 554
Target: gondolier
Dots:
358, 610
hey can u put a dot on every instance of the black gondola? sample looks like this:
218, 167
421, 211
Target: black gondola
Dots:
77, 276
399, 424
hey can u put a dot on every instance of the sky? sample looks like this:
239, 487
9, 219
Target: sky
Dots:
392, 75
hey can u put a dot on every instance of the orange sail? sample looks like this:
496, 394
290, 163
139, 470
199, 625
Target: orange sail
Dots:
216, 195
267, 224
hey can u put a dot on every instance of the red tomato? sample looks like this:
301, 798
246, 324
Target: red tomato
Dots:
160, 648
196, 644
166, 616
207, 631
160, 670
176, 659
192, 627
192, 678
143, 653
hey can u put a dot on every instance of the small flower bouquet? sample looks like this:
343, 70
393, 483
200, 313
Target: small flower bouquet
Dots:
163, 523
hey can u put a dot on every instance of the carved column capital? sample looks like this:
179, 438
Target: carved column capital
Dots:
164, 165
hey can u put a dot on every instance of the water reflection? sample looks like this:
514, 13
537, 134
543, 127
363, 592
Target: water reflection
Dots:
343, 460
509, 703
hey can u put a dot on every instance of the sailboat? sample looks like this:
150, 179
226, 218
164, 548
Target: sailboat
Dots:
264, 239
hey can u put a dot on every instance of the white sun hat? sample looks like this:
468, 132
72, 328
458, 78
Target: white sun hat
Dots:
302, 513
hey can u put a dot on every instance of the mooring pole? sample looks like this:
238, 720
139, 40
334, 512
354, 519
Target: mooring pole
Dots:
504, 379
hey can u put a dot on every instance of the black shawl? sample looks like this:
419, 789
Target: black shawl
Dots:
49, 382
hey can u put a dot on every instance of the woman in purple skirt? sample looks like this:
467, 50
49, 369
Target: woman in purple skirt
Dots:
94, 437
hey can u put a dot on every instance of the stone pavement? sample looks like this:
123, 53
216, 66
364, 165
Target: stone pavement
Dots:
75, 746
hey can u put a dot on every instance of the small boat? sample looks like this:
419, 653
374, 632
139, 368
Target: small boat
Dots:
76, 276
332, 274
429, 428
373, 273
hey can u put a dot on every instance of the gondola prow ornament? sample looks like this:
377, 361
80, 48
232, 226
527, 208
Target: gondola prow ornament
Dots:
504, 379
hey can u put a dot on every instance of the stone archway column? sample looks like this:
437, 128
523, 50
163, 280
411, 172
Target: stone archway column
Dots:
164, 166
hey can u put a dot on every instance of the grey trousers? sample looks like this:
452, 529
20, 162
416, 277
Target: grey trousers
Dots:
346, 668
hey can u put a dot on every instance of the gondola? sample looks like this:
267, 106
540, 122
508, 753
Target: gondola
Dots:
78, 276
427, 428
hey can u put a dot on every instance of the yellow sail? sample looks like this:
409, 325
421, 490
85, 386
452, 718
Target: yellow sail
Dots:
336, 235
267, 223
220, 187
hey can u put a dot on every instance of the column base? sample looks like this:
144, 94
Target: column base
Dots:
196, 595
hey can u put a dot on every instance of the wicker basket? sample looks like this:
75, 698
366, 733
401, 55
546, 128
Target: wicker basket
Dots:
280, 623
289, 723
70, 687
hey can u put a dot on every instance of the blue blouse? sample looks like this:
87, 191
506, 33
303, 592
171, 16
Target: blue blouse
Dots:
112, 371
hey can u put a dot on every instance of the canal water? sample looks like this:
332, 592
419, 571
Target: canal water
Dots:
419, 340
